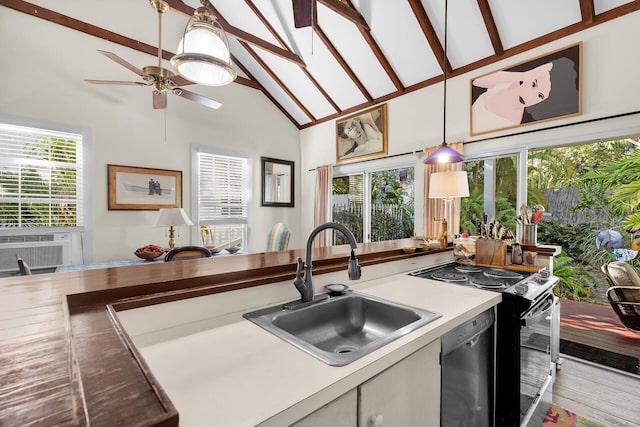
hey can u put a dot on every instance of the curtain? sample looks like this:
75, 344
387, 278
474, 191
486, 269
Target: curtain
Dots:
434, 209
322, 206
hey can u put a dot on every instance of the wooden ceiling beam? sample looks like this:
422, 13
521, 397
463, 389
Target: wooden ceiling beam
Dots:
275, 78
492, 28
356, 81
377, 51
430, 34
346, 12
587, 10
306, 72
238, 34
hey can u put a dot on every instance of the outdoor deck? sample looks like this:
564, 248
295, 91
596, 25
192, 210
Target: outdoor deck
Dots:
593, 332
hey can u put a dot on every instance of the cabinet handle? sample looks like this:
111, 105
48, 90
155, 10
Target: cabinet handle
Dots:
375, 420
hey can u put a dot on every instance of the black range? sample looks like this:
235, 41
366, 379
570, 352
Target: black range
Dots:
524, 338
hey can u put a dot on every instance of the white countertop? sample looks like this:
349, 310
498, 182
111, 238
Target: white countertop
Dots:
238, 374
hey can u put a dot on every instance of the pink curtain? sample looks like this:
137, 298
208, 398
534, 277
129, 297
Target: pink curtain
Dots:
434, 208
322, 208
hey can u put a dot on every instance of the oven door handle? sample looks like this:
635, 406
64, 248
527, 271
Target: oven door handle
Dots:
535, 316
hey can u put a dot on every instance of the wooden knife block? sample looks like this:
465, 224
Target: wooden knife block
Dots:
491, 252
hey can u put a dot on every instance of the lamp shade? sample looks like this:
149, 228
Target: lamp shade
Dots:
447, 185
168, 217
444, 154
203, 55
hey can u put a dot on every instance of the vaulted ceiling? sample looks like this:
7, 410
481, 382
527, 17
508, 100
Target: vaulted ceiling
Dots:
358, 52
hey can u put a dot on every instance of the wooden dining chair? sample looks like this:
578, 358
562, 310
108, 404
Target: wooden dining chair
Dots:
624, 293
187, 252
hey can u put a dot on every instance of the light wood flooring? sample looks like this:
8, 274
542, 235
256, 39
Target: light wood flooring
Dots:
608, 396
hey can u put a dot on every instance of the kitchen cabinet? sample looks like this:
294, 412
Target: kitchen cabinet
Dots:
406, 394
341, 412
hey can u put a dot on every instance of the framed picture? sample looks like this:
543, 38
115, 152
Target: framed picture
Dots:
134, 188
545, 88
362, 135
277, 182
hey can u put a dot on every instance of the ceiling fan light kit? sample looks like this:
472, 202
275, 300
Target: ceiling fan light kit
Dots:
157, 77
203, 53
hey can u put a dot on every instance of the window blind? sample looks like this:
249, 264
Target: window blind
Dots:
222, 189
40, 177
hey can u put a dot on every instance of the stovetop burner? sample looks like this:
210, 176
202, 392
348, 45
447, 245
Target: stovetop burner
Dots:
444, 276
490, 284
503, 274
468, 269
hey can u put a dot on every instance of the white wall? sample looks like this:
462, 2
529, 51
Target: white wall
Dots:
610, 87
42, 71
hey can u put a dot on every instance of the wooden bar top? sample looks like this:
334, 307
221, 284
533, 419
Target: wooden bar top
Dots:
64, 363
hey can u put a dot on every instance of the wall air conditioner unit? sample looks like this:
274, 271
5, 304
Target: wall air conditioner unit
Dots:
46, 250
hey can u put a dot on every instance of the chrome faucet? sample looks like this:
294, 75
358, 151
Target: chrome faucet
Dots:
305, 286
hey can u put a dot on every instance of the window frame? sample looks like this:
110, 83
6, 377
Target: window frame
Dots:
84, 201
195, 191
373, 166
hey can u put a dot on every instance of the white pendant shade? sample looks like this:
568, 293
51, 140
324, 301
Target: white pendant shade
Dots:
445, 185
203, 55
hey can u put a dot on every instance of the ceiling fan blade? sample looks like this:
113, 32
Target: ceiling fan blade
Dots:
180, 81
304, 13
114, 82
159, 100
207, 102
122, 62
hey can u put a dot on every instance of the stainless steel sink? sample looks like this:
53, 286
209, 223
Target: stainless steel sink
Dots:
341, 329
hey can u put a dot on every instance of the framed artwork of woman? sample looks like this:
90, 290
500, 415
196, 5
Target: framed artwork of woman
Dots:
545, 88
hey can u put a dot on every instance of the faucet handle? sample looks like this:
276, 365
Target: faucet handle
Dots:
355, 271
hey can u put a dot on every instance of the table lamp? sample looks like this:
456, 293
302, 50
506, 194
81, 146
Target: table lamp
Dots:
447, 186
172, 217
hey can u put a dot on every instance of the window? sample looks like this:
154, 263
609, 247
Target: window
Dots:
376, 204
40, 178
493, 191
222, 198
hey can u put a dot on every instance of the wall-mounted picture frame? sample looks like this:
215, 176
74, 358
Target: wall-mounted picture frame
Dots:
136, 188
277, 182
548, 87
362, 135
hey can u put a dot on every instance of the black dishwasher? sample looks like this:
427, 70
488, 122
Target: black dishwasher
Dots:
468, 374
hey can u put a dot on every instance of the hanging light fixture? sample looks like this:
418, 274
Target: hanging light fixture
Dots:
203, 53
444, 154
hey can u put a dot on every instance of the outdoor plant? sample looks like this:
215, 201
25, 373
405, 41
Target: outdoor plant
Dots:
615, 185
575, 283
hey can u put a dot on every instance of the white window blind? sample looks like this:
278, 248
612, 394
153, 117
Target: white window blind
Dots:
40, 177
223, 197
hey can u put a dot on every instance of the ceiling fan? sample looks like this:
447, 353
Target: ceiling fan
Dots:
161, 79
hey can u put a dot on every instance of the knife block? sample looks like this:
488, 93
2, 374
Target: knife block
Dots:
491, 252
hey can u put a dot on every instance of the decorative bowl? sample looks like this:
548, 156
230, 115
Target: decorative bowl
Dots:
233, 249
148, 255
408, 250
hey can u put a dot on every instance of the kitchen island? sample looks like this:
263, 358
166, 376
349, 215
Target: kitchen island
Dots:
64, 362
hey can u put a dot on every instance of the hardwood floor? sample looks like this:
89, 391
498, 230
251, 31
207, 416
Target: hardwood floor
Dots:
594, 332
605, 395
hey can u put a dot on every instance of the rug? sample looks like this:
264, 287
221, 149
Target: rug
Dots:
559, 417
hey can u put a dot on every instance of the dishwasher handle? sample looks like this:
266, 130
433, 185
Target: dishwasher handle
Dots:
450, 345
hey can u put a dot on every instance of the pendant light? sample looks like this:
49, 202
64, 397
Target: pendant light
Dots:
444, 154
203, 53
